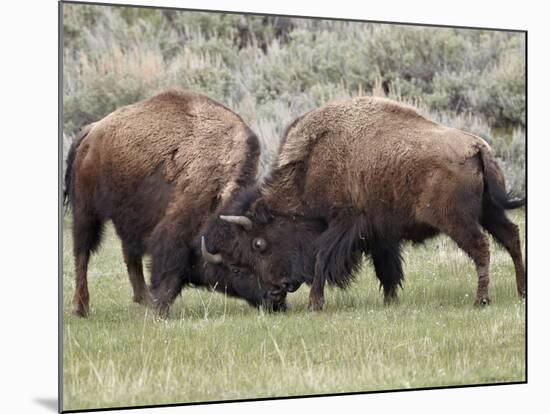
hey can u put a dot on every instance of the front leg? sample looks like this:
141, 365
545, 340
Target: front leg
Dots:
164, 290
338, 254
169, 265
386, 257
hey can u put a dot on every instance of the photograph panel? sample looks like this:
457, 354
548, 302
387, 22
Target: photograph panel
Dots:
221, 169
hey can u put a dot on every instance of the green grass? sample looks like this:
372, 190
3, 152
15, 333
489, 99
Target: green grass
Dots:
217, 348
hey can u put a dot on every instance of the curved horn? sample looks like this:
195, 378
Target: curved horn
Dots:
209, 257
243, 221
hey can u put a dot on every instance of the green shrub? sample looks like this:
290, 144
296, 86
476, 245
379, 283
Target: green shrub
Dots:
272, 69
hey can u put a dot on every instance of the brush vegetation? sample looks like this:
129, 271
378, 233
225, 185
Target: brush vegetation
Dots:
272, 69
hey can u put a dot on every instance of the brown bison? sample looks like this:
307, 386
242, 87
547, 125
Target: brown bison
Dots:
158, 169
360, 176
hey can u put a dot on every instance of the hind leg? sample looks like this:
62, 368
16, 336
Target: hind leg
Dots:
386, 259
456, 212
317, 291
462, 226
86, 238
506, 233
81, 297
135, 273
471, 239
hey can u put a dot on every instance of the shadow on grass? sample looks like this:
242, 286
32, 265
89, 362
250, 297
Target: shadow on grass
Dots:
180, 311
49, 403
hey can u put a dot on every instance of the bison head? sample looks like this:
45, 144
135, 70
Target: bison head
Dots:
238, 280
279, 249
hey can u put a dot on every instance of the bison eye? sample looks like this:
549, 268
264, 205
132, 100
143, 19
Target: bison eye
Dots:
235, 270
259, 244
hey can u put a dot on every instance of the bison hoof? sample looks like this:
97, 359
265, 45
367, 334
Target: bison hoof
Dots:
279, 307
484, 301
391, 300
80, 312
143, 299
315, 306
162, 312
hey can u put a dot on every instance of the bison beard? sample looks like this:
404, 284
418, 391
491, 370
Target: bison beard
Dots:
362, 176
158, 169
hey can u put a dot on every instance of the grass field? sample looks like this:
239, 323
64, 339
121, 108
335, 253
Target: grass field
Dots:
213, 347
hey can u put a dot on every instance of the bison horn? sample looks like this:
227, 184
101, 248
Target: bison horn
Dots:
209, 257
243, 221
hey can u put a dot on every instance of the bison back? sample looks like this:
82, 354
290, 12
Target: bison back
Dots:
367, 154
177, 151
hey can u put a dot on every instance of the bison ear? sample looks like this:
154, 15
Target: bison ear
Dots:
261, 213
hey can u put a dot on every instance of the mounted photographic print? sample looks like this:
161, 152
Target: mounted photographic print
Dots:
261, 206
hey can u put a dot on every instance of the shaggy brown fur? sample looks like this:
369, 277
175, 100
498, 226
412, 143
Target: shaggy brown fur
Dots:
157, 169
376, 172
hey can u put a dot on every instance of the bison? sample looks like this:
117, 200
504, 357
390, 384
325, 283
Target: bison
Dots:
361, 176
157, 169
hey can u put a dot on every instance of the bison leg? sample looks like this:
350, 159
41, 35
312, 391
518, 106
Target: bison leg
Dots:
456, 212
166, 281
81, 298
338, 254
135, 273
164, 290
506, 233
471, 239
317, 292
169, 262
386, 258
86, 238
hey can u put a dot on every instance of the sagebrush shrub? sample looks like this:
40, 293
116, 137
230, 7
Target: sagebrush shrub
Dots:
273, 69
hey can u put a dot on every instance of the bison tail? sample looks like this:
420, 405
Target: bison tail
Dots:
495, 187
68, 190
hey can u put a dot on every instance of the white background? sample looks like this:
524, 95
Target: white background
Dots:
28, 255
